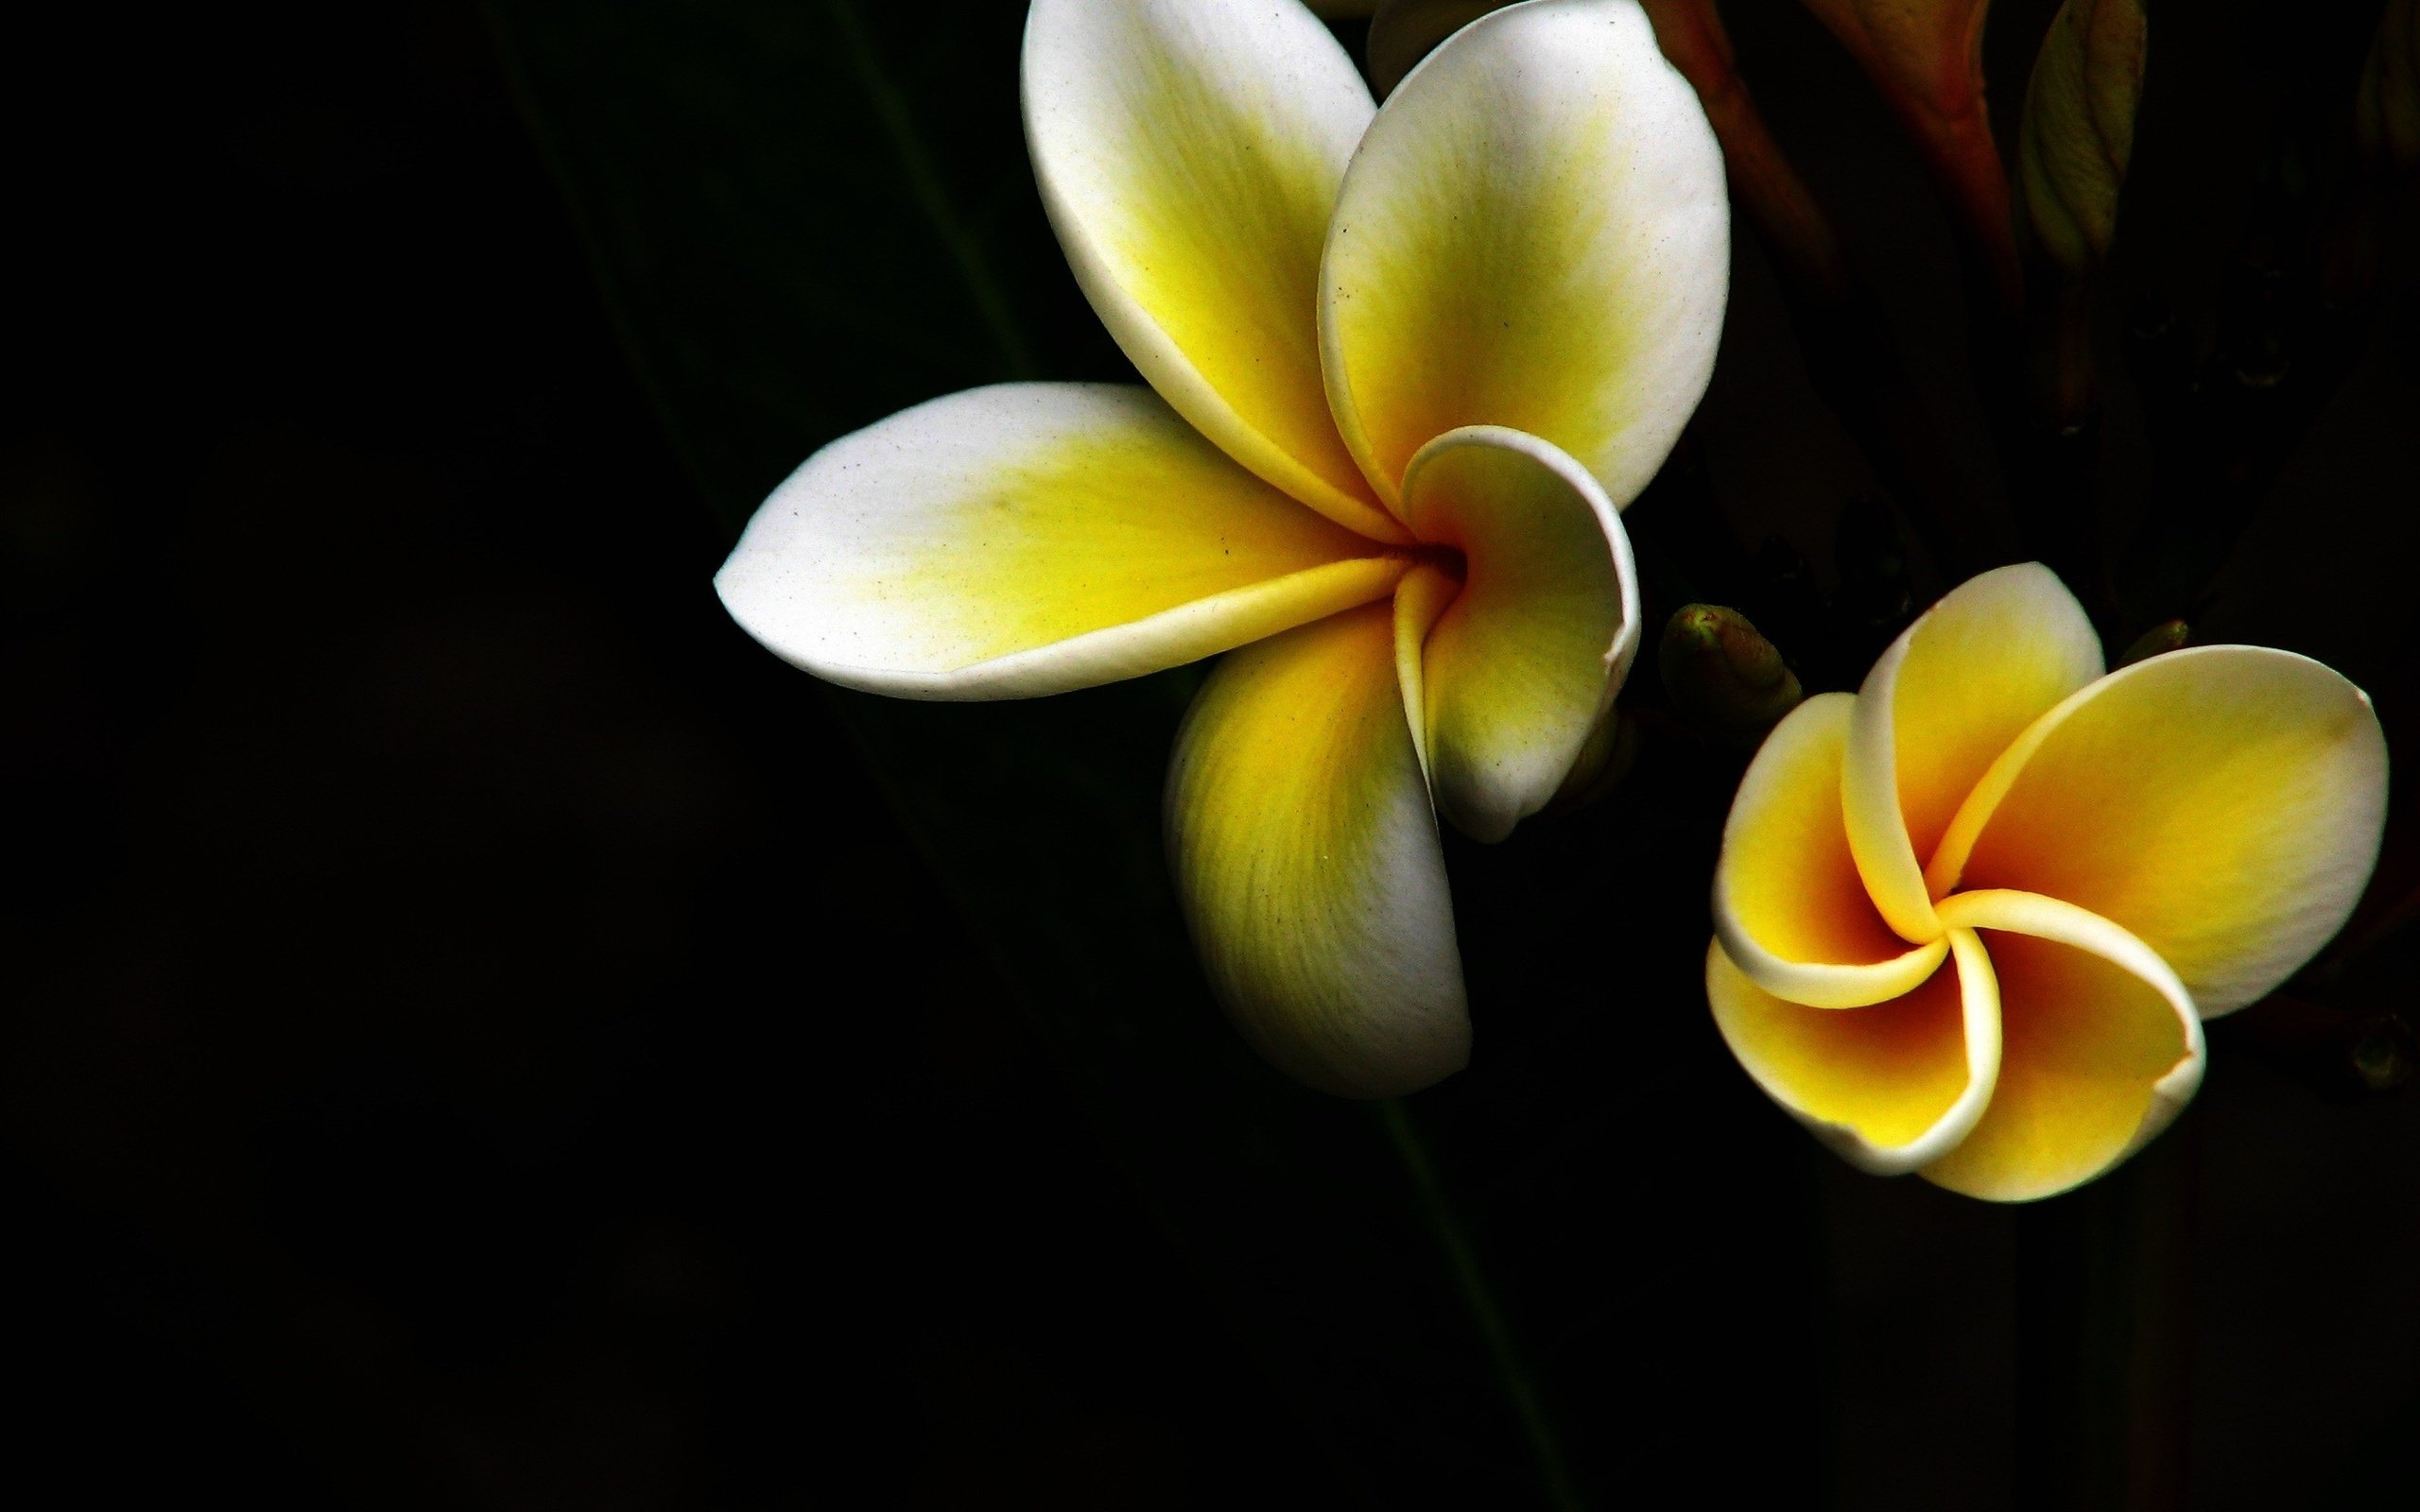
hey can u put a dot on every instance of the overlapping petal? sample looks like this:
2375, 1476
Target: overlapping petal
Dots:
1526, 659
1306, 855
1892, 1086
2223, 803
1535, 234
1029, 539
1941, 704
1789, 907
1421, 599
2125, 854
1189, 153
2101, 1048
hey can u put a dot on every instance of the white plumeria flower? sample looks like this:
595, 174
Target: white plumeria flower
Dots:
1408, 364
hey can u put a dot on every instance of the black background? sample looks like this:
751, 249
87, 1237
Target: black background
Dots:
478, 1032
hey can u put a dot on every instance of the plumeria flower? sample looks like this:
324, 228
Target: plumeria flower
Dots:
1970, 917
1406, 366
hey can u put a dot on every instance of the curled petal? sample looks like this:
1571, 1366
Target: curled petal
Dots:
1527, 658
2101, 1048
1789, 907
1306, 858
1420, 600
2223, 803
1535, 234
1029, 539
1188, 152
1892, 1087
1941, 704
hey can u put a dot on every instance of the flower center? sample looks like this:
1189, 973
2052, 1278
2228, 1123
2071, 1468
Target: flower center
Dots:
1447, 560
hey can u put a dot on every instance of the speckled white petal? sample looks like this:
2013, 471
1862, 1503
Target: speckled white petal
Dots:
1030, 539
1535, 234
1189, 153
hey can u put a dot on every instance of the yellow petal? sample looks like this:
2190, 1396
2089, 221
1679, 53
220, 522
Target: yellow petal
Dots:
1421, 599
1533, 235
1891, 1086
1940, 705
2222, 802
1306, 858
1527, 658
1188, 152
1029, 539
2101, 1048
1788, 905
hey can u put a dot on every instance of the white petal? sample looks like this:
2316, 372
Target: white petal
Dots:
1521, 664
1533, 235
1188, 152
1029, 539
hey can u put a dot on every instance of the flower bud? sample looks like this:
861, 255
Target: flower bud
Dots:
2165, 636
2386, 113
1725, 680
2078, 131
2384, 1053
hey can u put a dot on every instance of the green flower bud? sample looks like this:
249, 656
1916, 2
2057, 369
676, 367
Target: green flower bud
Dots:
1725, 680
2386, 114
2078, 131
2165, 636
2384, 1053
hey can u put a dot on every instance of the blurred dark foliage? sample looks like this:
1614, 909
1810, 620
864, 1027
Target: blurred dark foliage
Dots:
477, 1031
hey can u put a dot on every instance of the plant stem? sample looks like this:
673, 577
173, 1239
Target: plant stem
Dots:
1472, 1283
2103, 1337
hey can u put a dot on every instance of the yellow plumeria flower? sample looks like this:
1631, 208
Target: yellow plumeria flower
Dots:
1970, 917
1404, 366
